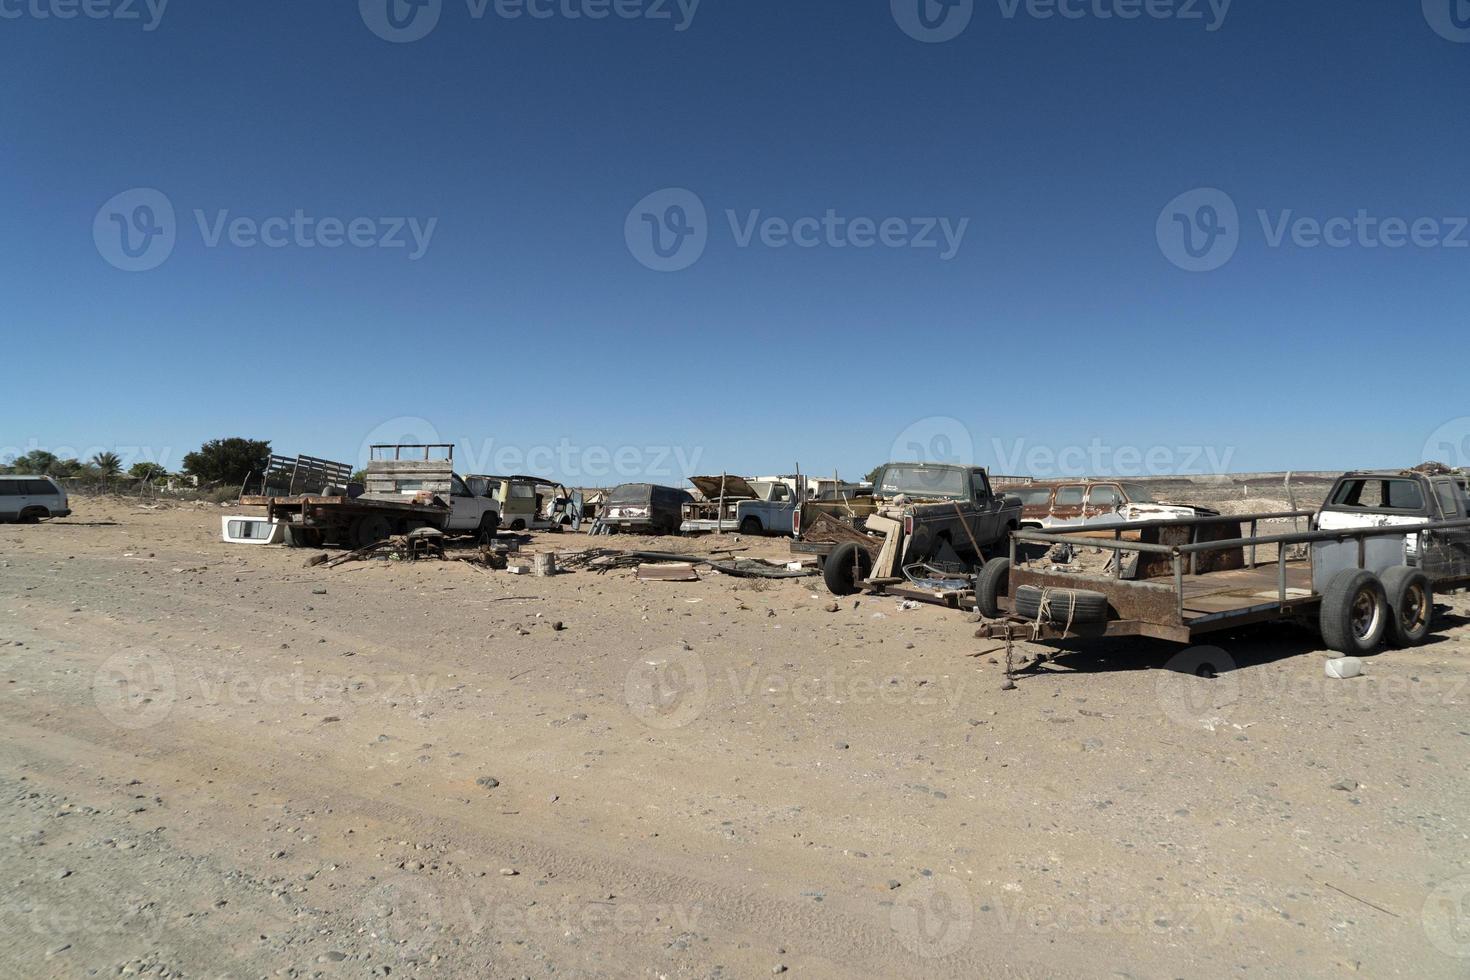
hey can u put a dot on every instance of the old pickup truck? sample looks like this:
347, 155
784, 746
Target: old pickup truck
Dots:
921, 517
733, 503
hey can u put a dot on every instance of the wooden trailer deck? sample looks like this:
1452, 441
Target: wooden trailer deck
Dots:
1245, 590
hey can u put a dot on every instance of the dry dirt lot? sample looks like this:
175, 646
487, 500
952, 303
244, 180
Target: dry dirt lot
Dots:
220, 763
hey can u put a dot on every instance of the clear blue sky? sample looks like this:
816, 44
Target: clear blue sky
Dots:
1061, 320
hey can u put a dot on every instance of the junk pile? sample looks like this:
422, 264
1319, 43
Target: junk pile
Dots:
667, 566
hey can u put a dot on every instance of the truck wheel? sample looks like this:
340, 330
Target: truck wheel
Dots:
1062, 606
517, 525
838, 571
1355, 613
370, 529
751, 527
1410, 606
489, 525
992, 582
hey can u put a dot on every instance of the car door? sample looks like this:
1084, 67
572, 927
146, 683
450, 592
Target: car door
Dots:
1067, 509
984, 514
1103, 501
1447, 553
465, 509
10, 499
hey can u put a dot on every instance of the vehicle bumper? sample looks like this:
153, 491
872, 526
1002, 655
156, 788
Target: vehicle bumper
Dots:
708, 526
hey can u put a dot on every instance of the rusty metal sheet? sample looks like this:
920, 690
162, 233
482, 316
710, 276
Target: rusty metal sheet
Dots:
1147, 602
1172, 535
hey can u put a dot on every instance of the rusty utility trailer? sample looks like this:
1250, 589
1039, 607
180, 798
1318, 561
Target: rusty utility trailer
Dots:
1184, 579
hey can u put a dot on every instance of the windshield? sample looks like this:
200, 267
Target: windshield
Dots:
1138, 494
924, 481
630, 493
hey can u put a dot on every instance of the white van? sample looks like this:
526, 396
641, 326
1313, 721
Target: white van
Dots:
28, 499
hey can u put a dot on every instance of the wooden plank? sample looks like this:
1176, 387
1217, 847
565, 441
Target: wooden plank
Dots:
667, 573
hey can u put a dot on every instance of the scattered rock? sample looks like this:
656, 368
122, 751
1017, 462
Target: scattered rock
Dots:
487, 782
1346, 785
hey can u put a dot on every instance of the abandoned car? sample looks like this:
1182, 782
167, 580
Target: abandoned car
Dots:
639, 508
921, 518
1096, 503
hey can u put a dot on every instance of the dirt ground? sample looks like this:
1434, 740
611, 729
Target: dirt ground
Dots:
220, 763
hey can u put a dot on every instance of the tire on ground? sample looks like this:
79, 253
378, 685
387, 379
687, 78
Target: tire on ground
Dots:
1062, 605
837, 572
1410, 606
992, 582
1354, 613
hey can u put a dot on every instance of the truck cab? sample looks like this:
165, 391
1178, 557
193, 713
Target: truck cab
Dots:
1410, 499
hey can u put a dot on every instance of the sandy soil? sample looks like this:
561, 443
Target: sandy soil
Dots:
217, 762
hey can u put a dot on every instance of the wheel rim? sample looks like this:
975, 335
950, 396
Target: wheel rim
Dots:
1366, 613
1414, 612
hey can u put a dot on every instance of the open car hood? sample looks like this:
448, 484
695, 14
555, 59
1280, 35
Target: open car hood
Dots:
736, 487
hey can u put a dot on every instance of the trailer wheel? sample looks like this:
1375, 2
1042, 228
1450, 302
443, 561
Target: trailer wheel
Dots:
1410, 605
845, 567
1355, 613
993, 581
370, 529
1062, 605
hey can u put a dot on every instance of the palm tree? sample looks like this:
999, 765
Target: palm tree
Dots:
108, 464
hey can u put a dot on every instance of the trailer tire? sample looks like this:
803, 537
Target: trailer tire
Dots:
838, 572
1410, 606
1062, 605
1355, 613
992, 582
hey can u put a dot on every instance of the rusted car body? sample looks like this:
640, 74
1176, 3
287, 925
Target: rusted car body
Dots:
1096, 504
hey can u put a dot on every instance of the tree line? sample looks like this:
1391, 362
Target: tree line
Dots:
219, 462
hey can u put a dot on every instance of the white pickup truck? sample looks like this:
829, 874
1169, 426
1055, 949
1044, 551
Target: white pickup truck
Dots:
750, 506
1408, 498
